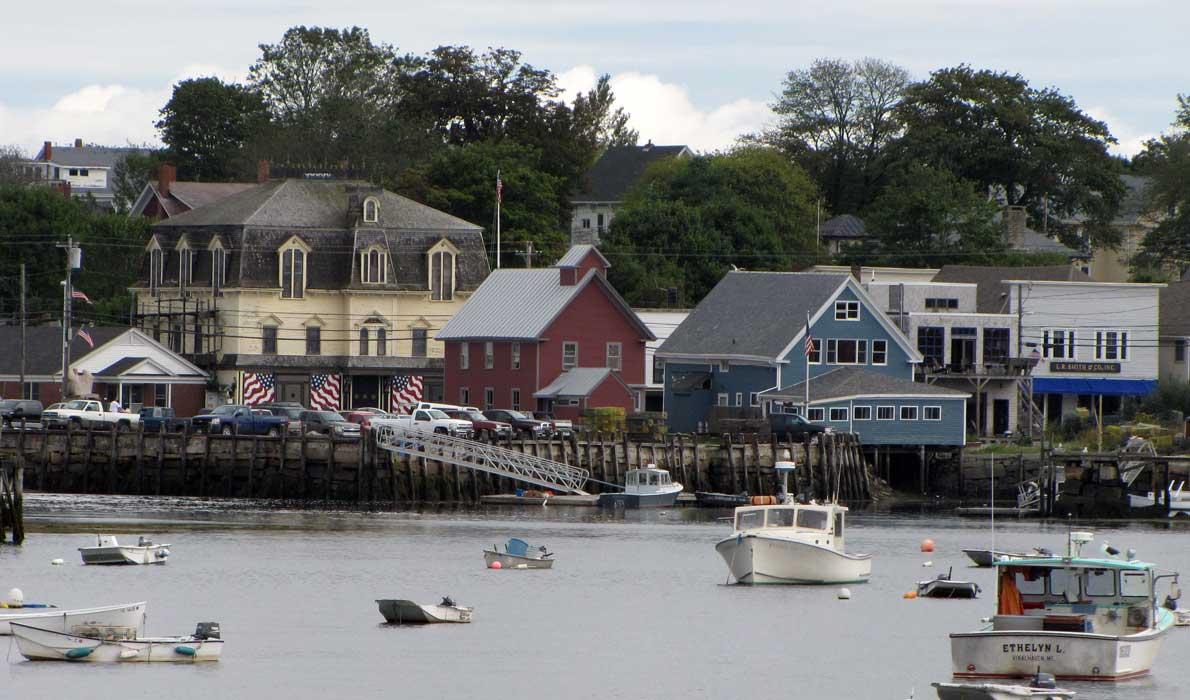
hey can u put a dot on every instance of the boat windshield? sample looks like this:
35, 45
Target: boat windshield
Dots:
812, 519
749, 519
781, 517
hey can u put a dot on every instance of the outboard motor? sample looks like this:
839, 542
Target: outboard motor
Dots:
207, 630
448, 601
144, 542
1044, 681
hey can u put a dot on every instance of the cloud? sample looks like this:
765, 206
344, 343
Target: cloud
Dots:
1130, 139
665, 113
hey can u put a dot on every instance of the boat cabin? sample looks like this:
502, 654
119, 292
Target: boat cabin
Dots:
1099, 596
647, 480
811, 520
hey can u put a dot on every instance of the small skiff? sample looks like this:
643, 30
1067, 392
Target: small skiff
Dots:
518, 554
110, 551
63, 620
997, 691
407, 612
116, 644
945, 587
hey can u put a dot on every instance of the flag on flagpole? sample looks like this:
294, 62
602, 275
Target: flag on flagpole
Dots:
86, 338
325, 392
259, 387
499, 187
76, 294
809, 345
406, 392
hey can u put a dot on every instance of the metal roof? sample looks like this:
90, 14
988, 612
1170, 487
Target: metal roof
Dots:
580, 381
575, 255
854, 381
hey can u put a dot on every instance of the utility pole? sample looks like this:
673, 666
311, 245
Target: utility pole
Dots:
528, 254
23, 331
74, 260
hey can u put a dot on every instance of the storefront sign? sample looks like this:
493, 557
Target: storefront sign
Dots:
1085, 367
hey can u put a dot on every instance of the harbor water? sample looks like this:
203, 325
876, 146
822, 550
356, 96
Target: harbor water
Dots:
636, 606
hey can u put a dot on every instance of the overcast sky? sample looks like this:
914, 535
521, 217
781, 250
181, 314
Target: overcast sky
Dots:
692, 71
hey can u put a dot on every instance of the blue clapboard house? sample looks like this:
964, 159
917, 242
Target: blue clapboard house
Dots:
743, 350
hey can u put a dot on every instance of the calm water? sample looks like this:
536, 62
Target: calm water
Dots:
636, 607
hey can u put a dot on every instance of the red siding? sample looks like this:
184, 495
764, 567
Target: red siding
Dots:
593, 320
501, 378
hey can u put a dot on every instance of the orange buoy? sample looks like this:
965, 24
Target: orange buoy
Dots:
910, 595
927, 545
496, 565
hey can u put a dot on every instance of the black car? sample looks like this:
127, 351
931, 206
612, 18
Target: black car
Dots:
522, 423
794, 426
154, 419
13, 411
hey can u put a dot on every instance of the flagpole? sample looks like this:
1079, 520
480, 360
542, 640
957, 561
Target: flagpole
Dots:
499, 196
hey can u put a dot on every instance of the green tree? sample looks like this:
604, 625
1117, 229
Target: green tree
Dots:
688, 221
11, 168
837, 119
206, 126
1032, 147
1166, 160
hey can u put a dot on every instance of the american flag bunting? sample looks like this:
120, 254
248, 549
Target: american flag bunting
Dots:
406, 392
259, 387
325, 392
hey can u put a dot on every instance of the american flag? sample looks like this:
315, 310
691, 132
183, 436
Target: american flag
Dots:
406, 391
259, 387
809, 344
324, 392
76, 294
86, 337
499, 188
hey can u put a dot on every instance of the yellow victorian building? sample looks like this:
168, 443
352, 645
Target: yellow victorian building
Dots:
323, 292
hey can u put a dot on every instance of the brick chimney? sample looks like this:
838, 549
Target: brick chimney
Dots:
167, 175
1014, 219
262, 171
47, 151
78, 143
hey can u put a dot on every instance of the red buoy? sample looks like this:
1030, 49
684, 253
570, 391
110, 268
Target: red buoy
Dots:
927, 545
496, 565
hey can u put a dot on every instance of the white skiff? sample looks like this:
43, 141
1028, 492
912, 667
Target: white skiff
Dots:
111, 644
63, 620
407, 612
110, 551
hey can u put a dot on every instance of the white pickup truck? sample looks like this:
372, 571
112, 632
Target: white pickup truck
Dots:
88, 413
430, 420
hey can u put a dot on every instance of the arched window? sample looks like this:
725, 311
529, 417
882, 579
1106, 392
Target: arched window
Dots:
293, 273
371, 210
218, 267
156, 270
185, 266
374, 266
442, 268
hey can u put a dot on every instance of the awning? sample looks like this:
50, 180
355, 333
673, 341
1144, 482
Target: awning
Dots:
1104, 387
684, 384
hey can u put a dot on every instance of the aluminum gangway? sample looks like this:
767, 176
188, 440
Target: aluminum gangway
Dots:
481, 457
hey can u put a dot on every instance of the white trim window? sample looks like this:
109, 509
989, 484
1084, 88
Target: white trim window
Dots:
885, 412
815, 415
739, 399
846, 351
442, 275
614, 356
908, 412
1058, 344
464, 356
515, 394
839, 414
862, 413
846, 310
722, 400
489, 355
373, 266
724, 366
371, 210
753, 398
1111, 345
293, 273
464, 395
156, 270
218, 267
932, 413
515, 352
815, 356
185, 266
569, 355
880, 352
489, 398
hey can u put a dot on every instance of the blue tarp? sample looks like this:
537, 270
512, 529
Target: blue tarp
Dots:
1105, 387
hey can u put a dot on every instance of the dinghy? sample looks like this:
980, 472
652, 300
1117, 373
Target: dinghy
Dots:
518, 554
407, 612
110, 551
112, 644
63, 620
1043, 687
946, 587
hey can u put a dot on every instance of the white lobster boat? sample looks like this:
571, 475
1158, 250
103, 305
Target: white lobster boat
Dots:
792, 543
63, 620
110, 644
110, 551
1077, 618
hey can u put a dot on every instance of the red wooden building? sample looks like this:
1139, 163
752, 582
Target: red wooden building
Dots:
557, 339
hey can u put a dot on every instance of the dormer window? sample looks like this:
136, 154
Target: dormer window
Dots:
373, 266
218, 267
156, 269
442, 275
185, 266
293, 271
371, 210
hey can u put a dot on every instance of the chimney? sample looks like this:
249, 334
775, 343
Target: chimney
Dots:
47, 151
262, 171
167, 175
568, 276
1014, 226
78, 143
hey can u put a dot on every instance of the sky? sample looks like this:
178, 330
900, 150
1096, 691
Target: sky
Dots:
692, 72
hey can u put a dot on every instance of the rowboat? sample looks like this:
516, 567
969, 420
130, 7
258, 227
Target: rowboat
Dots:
114, 643
1042, 687
518, 554
946, 587
63, 620
407, 612
110, 551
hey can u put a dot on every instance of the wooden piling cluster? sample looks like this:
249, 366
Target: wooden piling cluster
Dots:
12, 506
315, 468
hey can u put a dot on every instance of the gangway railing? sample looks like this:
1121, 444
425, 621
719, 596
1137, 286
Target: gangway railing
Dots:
481, 457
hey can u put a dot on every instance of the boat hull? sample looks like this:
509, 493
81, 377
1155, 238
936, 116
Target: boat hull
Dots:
512, 561
59, 620
45, 645
123, 554
995, 691
635, 500
1068, 656
407, 612
941, 588
756, 559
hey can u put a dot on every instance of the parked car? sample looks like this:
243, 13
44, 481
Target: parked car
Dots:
13, 411
481, 424
363, 416
329, 423
154, 419
522, 423
288, 410
559, 427
434, 421
88, 413
237, 419
794, 426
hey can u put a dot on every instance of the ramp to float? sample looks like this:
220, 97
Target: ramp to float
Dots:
481, 457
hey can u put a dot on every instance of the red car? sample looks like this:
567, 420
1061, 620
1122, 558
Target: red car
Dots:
481, 424
363, 416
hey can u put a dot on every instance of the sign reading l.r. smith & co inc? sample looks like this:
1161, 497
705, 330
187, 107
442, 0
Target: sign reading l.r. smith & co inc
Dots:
1085, 367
